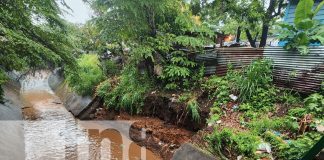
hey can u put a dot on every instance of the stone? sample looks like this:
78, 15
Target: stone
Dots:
188, 151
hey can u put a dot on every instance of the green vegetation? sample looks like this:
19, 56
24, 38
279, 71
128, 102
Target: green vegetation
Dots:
32, 36
192, 105
126, 92
259, 116
110, 68
86, 76
147, 47
165, 34
193, 108
253, 78
305, 30
218, 88
315, 104
250, 20
228, 142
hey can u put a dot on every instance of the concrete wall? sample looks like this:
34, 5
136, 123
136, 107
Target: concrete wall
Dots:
12, 142
71, 100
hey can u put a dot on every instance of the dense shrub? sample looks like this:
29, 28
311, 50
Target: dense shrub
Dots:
110, 68
283, 124
86, 76
233, 142
256, 75
289, 97
181, 72
315, 104
263, 100
125, 92
3, 79
218, 88
294, 149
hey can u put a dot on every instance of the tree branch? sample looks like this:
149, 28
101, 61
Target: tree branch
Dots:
280, 6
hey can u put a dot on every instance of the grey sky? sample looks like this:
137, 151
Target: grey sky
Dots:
81, 11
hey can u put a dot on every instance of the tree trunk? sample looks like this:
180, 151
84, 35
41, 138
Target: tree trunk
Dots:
150, 17
238, 34
264, 35
250, 38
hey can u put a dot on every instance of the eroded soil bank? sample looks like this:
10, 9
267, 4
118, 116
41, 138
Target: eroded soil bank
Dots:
166, 122
164, 119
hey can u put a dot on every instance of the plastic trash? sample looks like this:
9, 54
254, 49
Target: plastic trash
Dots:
233, 97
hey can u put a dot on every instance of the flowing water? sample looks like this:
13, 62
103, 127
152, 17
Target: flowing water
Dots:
51, 132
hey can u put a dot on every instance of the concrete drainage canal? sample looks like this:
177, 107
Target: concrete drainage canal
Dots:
47, 130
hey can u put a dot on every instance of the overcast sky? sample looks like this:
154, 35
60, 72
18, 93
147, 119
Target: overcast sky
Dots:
81, 11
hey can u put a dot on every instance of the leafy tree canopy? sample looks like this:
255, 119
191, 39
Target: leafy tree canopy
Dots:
32, 35
255, 17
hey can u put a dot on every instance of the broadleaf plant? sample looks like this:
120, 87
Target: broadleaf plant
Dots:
306, 29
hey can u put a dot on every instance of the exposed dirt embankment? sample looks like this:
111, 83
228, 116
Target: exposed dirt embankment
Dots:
165, 120
168, 108
159, 137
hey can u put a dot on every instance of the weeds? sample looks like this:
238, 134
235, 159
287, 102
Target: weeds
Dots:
87, 75
125, 92
217, 88
255, 76
315, 104
193, 108
229, 142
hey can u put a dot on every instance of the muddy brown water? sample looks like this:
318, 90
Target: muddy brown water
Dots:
51, 132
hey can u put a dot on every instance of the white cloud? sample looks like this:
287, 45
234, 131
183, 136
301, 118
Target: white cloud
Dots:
80, 13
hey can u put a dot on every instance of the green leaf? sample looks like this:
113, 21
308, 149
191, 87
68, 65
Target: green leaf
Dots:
305, 24
303, 50
287, 26
318, 8
318, 38
303, 10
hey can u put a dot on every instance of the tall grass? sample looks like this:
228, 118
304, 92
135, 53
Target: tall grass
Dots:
193, 109
257, 75
86, 76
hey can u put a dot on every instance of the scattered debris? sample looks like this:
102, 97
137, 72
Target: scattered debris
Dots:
174, 98
319, 125
233, 97
264, 148
235, 107
100, 114
304, 124
320, 128
55, 102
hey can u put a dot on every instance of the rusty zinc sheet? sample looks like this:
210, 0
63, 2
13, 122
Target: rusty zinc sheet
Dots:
291, 70
303, 73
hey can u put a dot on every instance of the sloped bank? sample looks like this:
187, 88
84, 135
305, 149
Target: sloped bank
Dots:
166, 121
11, 124
73, 102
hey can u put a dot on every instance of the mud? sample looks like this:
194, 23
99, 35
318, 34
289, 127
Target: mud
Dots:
166, 121
167, 108
161, 138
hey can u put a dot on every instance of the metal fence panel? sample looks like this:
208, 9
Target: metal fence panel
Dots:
291, 70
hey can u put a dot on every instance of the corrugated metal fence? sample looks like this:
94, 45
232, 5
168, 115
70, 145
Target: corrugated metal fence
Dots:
291, 70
